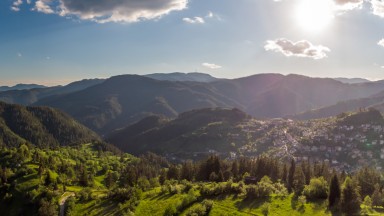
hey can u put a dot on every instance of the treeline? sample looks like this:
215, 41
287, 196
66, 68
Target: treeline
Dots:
93, 168
264, 176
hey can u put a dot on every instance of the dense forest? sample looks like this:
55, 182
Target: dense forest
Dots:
89, 179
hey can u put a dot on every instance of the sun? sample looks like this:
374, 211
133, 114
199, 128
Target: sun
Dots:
314, 15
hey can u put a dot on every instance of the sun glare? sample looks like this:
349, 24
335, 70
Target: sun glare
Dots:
314, 15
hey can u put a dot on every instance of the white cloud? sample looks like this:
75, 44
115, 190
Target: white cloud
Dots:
19, 55
381, 42
210, 14
43, 6
194, 20
299, 49
16, 5
378, 8
211, 66
102, 11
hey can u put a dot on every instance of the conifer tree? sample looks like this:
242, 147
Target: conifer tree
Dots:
350, 197
291, 174
377, 196
298, 181
284, 175
334, 191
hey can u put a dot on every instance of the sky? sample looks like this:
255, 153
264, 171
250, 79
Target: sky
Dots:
55, 42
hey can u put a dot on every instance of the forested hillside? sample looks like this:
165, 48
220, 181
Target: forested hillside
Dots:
40, 126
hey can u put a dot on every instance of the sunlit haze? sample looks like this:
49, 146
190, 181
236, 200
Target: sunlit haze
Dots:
56, 42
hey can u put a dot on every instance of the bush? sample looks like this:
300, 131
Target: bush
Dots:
197, 210
170, 210
265, 209
85, 194
302, 200
317, 189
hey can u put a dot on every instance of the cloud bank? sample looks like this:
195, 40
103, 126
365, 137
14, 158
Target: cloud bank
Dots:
299, 49
103, 11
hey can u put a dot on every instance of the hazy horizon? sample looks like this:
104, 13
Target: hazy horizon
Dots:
57, 42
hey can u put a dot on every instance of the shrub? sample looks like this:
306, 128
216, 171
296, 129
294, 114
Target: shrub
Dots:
302, 200
170, 210
265, 209
197, 210
317, 189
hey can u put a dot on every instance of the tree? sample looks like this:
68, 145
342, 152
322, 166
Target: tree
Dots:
47, 208
187, 171
334, 191
377, 196
291, 174
284, 175
368, 202
299, 181
317, 189
173, 172
367, 178
350, 197
235, 170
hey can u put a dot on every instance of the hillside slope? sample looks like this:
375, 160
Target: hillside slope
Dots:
193, 131
40, 126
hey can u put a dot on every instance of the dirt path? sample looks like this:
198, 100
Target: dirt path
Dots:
62, 201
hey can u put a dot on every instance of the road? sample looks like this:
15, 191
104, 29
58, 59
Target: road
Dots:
62, 201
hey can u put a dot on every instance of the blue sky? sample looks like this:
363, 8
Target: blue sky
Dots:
58, 41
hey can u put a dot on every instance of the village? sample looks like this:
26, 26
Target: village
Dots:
343, 147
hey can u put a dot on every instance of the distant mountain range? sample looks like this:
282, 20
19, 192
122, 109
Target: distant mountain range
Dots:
40, 126
21, 87
123, 100
183, 77
32, 95
105, 105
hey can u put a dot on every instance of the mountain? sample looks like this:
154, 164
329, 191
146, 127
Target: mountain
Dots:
375, 101
30, 96
40, 126
193, 131
182, 77
21, 87
126, 99
275, 95
351, 80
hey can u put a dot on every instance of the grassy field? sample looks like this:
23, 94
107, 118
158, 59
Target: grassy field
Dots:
154, 203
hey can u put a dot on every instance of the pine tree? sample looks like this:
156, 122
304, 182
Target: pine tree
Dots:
235, 170
298, 181
350, 197
377, 196
291, 174
284, 175
334, 191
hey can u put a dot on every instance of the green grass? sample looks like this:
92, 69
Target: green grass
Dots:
154, 203
233, 205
